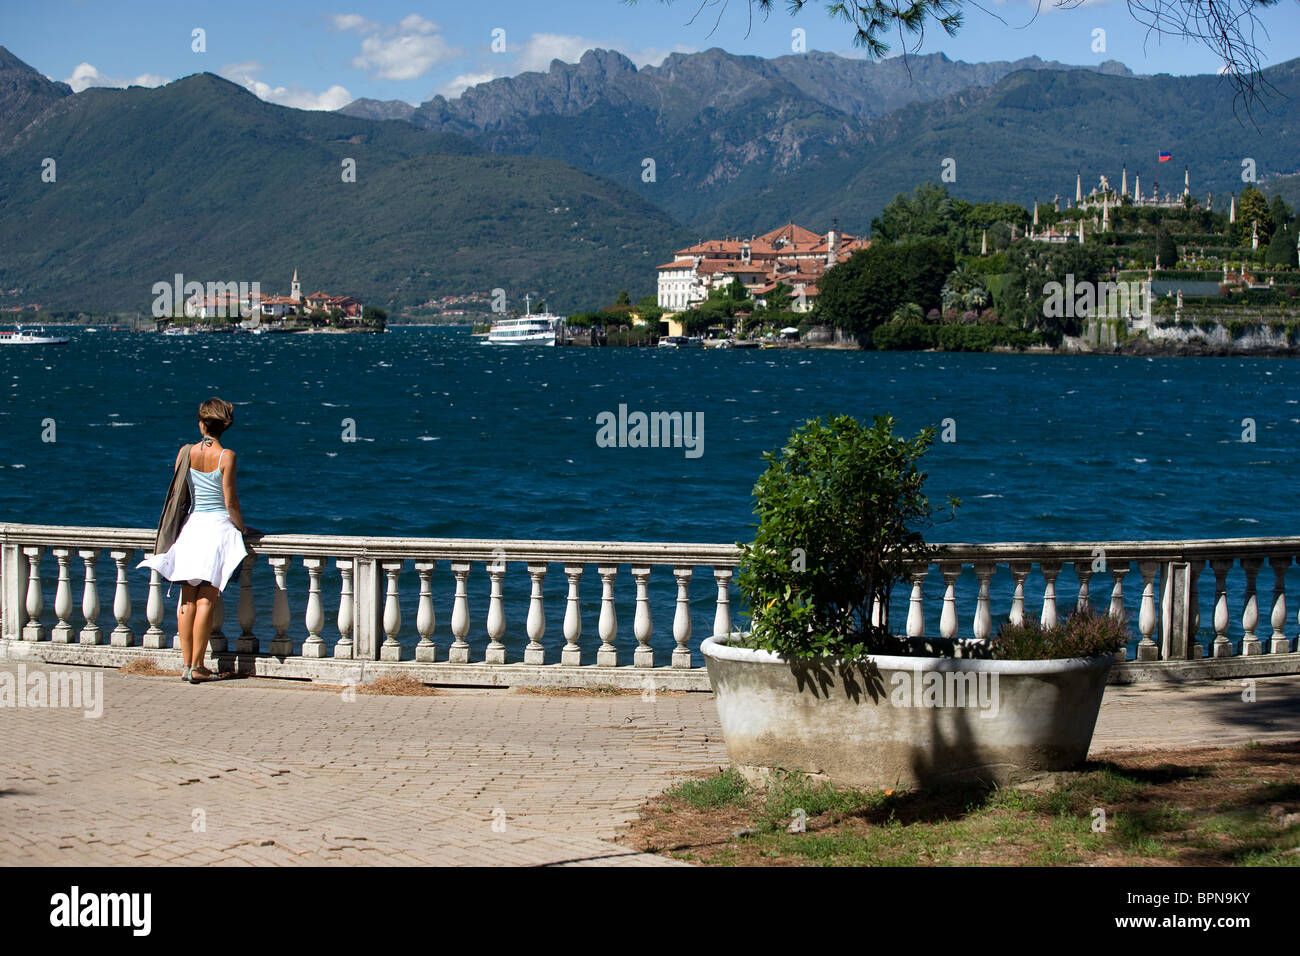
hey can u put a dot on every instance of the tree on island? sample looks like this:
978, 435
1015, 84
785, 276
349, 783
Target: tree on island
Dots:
1030, 267
374, 317
1281, 249
1252, 207
1166, 250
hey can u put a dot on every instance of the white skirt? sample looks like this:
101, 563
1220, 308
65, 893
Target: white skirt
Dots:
209, 548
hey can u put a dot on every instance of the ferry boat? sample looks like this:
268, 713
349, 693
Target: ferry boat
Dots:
21, 336
541, 328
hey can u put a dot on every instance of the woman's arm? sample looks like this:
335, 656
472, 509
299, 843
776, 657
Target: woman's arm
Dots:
232, 499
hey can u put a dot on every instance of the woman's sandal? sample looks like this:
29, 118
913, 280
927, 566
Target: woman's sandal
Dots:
185, 678
200, 675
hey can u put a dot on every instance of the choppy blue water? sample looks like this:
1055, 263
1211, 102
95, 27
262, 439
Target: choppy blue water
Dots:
458, 439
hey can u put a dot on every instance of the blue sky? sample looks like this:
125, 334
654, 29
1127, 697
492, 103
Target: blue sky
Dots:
321, 57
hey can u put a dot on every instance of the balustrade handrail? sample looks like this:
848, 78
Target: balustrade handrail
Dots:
654, 552
700, 552
364, 546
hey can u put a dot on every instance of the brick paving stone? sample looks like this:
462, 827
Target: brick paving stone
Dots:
291, 777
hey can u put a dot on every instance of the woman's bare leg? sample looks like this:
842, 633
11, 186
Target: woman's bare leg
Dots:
203, 614
185, 622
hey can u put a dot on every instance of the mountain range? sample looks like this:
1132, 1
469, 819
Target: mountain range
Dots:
202, 178
742, 143
573, 183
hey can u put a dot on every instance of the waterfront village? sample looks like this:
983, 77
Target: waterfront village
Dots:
1120, 267
237, 307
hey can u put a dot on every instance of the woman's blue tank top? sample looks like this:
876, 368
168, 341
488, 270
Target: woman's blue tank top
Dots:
205, 489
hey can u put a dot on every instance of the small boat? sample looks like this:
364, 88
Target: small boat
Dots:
21, 336
541, 328
681, 342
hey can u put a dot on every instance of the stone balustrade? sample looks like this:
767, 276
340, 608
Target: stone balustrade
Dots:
354, 608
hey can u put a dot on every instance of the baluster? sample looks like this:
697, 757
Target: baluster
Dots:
1196, 565
32, 630
572, 653
1050, 570
950, 570
155, 636
915, 607
1147, 649
1278, 643
1250, 644
281, 646
314, 646
90, 632
458, 653
1118, 571
343, 649
642, 623
721, 616
682, 616
217, 639
390, 650
535, 626
1019, 571
982, 626
1222, 646
247, 642
1083, 571
496, 617
426, 652
607, 655
122, 635
62, 633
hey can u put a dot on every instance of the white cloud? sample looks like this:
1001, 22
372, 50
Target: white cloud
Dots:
245, 74
352, 23
541, 48
85, 75
460, 84
404, 51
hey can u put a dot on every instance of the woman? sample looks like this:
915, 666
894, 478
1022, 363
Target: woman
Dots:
210, 546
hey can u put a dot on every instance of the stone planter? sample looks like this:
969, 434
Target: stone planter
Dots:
904, 721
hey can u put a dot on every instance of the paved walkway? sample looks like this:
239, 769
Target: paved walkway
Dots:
258, 772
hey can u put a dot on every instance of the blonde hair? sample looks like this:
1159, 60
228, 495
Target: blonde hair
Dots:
217, 414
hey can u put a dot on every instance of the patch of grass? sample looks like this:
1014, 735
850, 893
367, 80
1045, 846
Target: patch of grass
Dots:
787, 795
1217, 807
725, 789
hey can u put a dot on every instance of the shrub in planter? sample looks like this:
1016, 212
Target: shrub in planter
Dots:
839, 508
822, 685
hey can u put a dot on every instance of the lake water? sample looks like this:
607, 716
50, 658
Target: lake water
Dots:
457, 439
